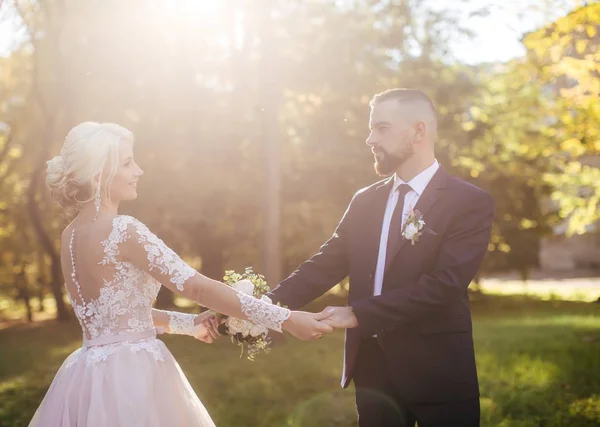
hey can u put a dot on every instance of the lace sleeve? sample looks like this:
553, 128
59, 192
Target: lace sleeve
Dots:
174, 322
263, 313
133, 241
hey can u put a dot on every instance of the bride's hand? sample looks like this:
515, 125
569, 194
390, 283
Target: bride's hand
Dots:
306, 326
206, 327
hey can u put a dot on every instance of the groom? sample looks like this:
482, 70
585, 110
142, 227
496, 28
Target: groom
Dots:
411, 244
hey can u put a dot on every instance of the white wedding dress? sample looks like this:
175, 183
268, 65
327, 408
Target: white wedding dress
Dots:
123, 376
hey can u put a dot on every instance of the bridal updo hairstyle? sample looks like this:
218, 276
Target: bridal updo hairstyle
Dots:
74, 175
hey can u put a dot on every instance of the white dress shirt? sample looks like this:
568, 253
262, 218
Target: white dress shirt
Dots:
417, 185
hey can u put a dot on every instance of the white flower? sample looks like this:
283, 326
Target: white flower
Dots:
420, 224
266, 299
258, 330
244, 286
238, 326
410, 231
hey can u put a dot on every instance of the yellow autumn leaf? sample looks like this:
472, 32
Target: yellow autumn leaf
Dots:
503, 247
573, 146
475, 112
15, 152
573, 168
468, 126
591, 31
527, 224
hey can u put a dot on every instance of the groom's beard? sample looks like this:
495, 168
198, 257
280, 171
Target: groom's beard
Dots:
386, 163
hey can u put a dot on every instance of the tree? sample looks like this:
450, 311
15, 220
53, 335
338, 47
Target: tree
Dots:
532, 139
566, 60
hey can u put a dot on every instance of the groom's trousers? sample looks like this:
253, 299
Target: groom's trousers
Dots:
379, 402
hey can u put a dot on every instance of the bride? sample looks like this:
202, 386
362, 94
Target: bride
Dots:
114, 267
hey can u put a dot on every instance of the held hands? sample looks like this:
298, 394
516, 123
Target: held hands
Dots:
306, 326
303, 325
311, 326
339, 317
206, 327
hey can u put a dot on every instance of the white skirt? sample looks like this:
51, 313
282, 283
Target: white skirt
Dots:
129, 383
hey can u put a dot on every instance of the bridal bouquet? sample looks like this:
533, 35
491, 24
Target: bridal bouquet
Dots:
248, 336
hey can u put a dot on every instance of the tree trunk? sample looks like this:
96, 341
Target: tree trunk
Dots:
23, 293
27, 301
41, 289
56, 283
272, 203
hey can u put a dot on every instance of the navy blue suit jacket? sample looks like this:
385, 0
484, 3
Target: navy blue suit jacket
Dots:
422, 317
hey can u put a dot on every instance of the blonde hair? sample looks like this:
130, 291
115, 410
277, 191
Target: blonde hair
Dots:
74, 175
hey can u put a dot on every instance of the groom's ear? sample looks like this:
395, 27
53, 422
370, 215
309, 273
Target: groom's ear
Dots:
419, 129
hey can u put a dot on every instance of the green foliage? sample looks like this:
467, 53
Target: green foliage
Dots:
566, 60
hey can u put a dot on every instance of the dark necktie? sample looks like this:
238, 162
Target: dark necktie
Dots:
395, 231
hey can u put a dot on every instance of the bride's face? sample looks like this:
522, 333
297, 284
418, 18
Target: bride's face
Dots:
124, 184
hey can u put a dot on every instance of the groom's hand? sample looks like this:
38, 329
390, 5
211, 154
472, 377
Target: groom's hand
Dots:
339, 317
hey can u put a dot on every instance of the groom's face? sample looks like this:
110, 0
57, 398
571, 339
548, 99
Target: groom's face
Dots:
391, 137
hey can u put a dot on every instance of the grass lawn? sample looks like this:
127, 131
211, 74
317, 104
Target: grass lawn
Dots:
538, 361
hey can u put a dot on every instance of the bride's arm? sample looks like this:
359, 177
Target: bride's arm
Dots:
146, 251
175, 322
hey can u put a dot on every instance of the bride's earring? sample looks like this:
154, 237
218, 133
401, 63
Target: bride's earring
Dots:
97, 201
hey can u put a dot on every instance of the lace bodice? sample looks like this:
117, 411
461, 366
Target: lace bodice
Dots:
124, 303
123, 279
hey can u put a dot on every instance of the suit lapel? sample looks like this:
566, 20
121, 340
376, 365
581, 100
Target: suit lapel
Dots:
430, 196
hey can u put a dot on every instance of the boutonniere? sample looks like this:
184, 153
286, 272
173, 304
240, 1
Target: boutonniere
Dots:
413, 226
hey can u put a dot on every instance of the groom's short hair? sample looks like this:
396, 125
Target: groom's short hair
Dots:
404, 95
